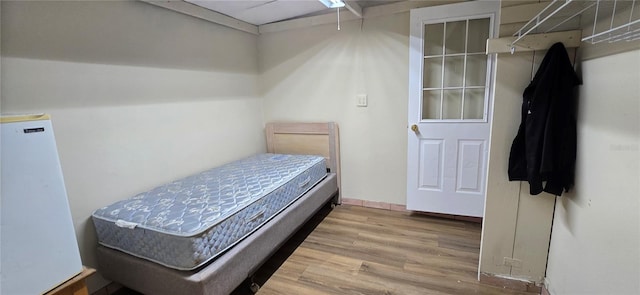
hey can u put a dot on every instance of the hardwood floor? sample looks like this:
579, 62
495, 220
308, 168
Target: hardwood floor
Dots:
356, 250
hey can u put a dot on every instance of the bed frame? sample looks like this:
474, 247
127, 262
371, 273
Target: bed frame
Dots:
321, 139
232, 268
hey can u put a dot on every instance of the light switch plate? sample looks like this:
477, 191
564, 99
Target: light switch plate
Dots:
361, 100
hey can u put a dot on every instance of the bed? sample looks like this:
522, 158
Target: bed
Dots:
226, 265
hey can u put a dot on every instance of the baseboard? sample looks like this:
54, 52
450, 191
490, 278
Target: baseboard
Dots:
373, 204
545, 291
403, 208
510, 283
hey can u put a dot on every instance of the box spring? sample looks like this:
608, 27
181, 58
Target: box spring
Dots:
188, 222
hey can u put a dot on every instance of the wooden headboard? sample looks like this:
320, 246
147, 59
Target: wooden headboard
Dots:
308, 139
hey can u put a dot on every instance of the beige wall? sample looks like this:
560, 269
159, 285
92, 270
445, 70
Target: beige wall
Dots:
315, 73
139, 96
133, 88
595, 246
517, 227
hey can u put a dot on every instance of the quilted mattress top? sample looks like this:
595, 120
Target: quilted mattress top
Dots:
191, 205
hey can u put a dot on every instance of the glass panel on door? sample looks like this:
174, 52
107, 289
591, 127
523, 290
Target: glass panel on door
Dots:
432, 77
476, 74
452, 107
433, 39
478, 35
455, 37
431, 104
455, 70
474, 103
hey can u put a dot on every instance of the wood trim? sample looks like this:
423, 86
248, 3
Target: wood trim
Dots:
509, 283
24, 118
270, 137
74, 286
531, 42
334, 150
276, 130
300, 128
544, 290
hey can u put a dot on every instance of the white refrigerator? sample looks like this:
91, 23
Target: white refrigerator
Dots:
38, 246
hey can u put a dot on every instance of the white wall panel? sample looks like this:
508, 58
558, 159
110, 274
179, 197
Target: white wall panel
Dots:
595, 246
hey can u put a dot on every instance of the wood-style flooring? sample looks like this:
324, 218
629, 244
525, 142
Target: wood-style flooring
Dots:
356, 250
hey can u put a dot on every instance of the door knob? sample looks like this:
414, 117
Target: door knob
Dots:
414, 128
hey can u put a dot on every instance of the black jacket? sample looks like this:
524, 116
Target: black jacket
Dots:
545, 147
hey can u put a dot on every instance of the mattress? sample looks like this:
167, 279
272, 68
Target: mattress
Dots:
189, 222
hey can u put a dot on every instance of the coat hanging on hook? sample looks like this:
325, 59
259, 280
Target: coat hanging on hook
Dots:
544, 149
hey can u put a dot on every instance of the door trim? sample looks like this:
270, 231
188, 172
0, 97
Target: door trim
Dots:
473, 10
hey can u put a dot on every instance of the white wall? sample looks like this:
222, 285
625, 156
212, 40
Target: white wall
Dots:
139, 96
315, 73
595, 245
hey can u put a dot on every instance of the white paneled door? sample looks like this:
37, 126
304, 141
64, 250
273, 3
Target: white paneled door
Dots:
450, 93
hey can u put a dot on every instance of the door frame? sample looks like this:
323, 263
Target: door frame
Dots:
442, 13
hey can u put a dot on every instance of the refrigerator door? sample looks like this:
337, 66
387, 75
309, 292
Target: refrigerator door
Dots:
37, 240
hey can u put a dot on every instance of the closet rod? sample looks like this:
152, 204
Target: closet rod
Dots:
519, 34
614, 38
622, 32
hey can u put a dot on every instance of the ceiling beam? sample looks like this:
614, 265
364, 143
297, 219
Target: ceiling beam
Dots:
404, 6
354, 7
205, 14
358, 13
305, 22
367, 12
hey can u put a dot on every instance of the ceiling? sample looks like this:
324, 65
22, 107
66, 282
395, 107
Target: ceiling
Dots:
260, 12
263, 16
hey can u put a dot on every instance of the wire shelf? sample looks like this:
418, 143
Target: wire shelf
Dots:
613, 20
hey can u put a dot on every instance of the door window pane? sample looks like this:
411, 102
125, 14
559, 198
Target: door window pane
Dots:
478, 35
454, 64
452, 107
430, 104
453, 71
455, 37
432, 77
433, 37
474, 103
476, 70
